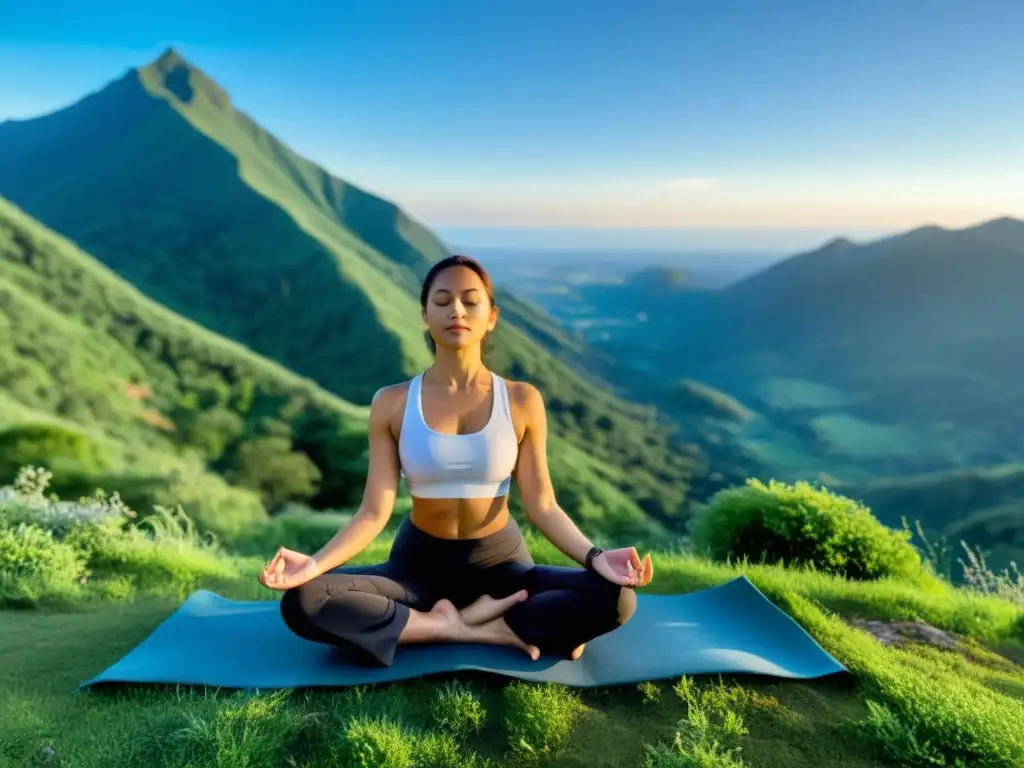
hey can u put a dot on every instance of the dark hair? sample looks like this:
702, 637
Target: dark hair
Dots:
455, 260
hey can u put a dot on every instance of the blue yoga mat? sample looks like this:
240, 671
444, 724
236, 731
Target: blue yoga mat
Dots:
732, 628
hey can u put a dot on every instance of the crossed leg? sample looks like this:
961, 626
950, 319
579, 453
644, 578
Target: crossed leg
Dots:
368, 611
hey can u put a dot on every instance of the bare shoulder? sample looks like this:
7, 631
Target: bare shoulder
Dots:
525, 397
389, 402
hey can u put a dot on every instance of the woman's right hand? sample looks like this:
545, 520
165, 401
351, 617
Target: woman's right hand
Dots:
288, 569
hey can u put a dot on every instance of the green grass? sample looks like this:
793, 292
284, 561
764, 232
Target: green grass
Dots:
788, 724
966, 704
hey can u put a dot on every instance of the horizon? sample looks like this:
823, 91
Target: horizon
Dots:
509, 139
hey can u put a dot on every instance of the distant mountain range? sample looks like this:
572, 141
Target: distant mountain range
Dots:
925, 329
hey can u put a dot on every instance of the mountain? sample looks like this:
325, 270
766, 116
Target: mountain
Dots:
160, 178
904, 353
152, 402
983, 507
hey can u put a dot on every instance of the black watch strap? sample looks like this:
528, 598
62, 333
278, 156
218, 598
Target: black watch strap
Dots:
594, 552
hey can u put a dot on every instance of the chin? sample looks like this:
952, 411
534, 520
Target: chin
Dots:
461, 340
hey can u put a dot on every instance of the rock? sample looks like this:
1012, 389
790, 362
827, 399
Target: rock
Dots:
899, 632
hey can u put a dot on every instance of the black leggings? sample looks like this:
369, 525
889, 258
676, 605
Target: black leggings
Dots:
364, 609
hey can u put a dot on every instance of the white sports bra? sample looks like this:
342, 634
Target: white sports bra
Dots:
472, 466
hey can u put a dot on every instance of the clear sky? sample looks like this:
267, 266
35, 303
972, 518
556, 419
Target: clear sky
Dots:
678, 123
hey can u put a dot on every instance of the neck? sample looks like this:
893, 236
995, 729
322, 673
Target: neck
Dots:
458, 368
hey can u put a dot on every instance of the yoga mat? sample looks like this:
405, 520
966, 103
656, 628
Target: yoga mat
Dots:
731, 628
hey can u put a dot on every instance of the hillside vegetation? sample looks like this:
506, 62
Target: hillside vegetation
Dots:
133, 395
160, 178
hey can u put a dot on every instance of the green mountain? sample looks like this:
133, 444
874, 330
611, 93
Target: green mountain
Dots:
111, 387
161, 179
885, 358
983, 507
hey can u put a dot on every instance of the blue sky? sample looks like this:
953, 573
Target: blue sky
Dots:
678, 124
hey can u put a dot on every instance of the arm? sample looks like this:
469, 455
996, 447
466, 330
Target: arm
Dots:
378, 495
534, 481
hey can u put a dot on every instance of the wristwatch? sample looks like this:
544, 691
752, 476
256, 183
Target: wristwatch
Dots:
594, 552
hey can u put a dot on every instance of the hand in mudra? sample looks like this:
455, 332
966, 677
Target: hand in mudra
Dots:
624, 566
288, 569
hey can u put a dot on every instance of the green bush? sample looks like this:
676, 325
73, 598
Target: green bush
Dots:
802, 525
539, 718
713, 719
48, 445
162, 554
297, 527
55, 549
35, 567
213, 506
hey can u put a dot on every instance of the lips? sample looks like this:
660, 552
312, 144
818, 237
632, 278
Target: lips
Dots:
457, 328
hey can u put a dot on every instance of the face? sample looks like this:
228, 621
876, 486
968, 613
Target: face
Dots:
459, 312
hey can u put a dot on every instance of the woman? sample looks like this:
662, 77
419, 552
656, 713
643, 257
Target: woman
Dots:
459, 569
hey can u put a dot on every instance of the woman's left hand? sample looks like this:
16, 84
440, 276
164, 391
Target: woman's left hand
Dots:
624, 566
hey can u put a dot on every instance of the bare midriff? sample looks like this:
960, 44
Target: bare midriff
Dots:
459, 518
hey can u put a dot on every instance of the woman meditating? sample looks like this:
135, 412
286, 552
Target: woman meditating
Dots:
459, 569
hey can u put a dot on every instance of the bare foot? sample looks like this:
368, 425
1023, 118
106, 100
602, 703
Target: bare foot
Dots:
497, 632
486, 608
577, 651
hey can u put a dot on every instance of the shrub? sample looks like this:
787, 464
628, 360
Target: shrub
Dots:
297, 528
802, 525
441, 750
213, 506
51, 548
539, 718
35, 567
48, 445
163, 554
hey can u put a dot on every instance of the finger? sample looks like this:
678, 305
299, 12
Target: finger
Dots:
612, 574
634, 559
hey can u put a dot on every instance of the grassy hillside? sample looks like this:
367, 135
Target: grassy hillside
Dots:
158, 397
163, 180
157, 394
